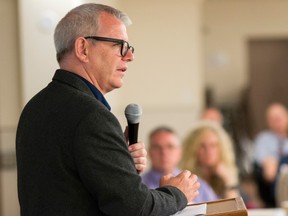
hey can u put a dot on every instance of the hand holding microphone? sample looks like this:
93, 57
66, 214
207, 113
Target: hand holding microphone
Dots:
137, 149
138, 153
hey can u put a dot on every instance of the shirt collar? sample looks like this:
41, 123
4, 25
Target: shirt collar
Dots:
98, 95
156, 173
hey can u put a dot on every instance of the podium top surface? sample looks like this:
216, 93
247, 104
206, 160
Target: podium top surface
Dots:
226, 207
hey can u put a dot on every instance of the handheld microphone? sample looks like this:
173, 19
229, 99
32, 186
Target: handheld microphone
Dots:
133, 113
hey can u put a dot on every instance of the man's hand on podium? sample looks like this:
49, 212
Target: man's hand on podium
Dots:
185, 181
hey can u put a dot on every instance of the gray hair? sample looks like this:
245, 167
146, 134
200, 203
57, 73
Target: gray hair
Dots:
81, 21
161, 129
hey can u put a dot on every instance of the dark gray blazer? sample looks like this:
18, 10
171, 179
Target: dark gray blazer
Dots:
72, 159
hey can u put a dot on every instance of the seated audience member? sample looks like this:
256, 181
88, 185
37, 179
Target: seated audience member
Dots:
208, 153
165, 153
271, 148
212, 114
281, 188
284, 160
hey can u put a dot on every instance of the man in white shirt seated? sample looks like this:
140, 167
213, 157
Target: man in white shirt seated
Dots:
271, 146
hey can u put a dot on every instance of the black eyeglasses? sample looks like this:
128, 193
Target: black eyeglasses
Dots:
124, 44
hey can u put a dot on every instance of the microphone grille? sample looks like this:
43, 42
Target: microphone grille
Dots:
133, 113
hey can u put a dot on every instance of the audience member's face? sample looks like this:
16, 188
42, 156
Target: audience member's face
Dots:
165, 152
213, 115
107, 64
277, 119
208, 154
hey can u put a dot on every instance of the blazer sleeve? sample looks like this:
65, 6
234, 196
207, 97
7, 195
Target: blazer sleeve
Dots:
107, 170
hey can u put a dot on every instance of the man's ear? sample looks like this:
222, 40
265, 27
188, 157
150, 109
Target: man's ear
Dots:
81, 49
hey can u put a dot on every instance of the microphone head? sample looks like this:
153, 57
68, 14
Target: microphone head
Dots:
133, 113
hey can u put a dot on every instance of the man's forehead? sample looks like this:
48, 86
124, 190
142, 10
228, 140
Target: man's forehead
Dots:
165, 137
110, 26
277, 112
108, 19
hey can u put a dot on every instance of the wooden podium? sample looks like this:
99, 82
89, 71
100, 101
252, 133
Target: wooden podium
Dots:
226, 207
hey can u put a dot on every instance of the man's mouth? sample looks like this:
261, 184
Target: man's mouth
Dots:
123, 69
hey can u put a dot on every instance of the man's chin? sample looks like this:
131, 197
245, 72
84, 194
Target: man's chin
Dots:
113, 87
118, 84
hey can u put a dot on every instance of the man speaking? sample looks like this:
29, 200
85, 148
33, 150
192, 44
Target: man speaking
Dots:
72, 156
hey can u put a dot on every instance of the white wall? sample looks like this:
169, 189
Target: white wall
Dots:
38, 57
166, 76
9, 58
228, 24
9, 105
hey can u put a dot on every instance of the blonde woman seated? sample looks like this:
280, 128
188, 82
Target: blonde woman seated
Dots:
208, 153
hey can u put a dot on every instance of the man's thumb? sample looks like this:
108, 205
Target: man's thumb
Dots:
164, 179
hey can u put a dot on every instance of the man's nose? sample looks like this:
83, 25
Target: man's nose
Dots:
129, 56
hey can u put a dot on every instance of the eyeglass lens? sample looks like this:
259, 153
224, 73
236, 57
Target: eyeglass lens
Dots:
125, 48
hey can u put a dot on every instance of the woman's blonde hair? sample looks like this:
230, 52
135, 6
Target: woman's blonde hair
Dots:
193, 142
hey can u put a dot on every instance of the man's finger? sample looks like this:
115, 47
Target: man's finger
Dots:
166, 177
185, 173
140, 167
136, 146
140, 160
196, 186
139, 153
194, 178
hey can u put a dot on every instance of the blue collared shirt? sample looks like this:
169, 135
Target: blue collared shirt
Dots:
98, 95
268, 144
152, 180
